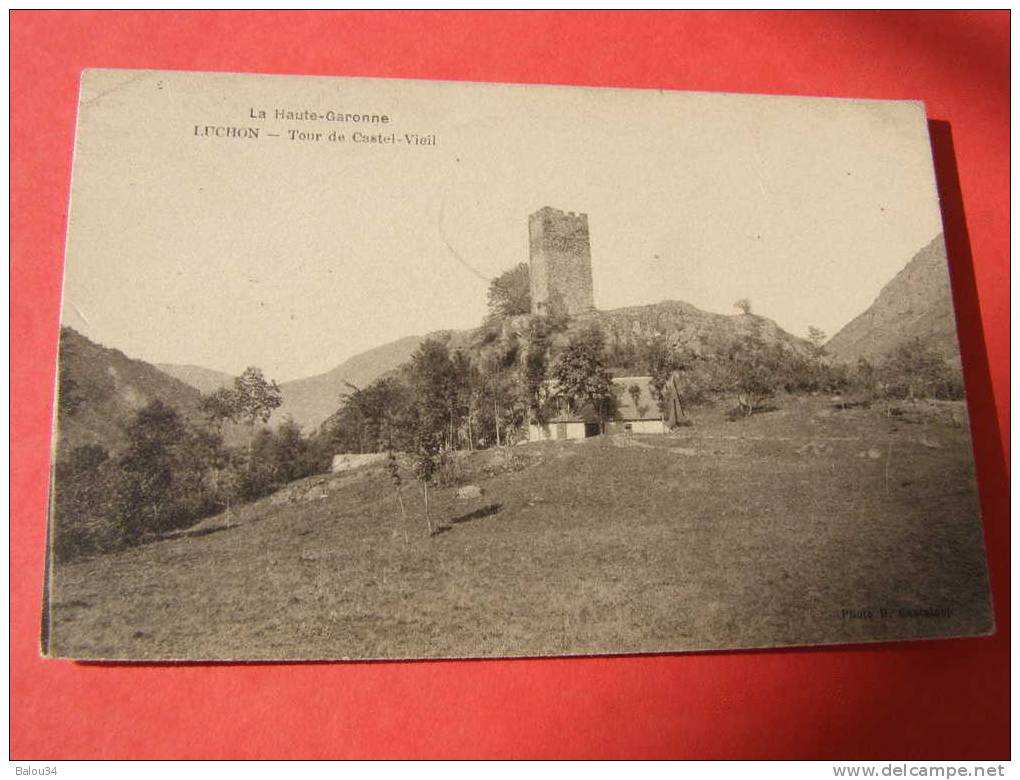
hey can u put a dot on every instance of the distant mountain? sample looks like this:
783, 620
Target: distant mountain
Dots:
104, 389
311, 400
205, 380
111, 386
917, 303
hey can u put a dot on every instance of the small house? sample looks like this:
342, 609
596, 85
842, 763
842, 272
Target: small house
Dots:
564, 425
564, 422
637, 411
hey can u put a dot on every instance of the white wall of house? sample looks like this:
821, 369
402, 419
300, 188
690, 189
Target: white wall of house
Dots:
345, 461
575, 430
648, 426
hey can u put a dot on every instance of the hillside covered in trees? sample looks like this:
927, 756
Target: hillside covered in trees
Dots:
140, 453
100, 390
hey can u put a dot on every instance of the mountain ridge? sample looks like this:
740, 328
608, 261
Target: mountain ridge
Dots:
917, 303
203, 379
311, 400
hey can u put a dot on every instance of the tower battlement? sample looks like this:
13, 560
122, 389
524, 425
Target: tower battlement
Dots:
560, 262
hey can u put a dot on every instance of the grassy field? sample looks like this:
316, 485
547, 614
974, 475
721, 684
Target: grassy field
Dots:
785, 528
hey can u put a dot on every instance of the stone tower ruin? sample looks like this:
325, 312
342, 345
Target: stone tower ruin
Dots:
560, 262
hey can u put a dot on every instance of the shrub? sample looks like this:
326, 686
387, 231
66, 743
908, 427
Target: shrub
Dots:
277, 458
754, 371
582, 376
510, 293
811, 373
81, 504
917, 370
144, 494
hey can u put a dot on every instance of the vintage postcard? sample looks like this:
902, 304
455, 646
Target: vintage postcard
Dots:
364, 369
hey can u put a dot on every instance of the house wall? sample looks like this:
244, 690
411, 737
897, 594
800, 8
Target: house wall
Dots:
345, 461
648, 426
575, 430
614, 427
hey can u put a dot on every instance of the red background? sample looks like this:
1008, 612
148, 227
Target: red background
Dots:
913, 700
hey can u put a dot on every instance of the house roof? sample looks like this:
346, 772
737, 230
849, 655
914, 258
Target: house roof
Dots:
570, 418
646, 408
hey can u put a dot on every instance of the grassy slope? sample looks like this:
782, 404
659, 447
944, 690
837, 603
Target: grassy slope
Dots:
726, 535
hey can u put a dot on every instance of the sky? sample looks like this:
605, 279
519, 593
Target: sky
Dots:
185, 246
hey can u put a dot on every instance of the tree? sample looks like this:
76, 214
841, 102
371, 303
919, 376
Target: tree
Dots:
145, 485
817, 338
219, 406
432, 378
498, 394
464, 384
582, 376
81, 495
744, 304
291, 455
393, 469
433, 382
659, 360
278, 457
536, 367
251, 399
864, 378
257, 478
255, 397
374, 418
428, 448
683, 389
69, 395
754, 372
915, 369
510, 292
629, 356
202, 466
362, 413
635, 395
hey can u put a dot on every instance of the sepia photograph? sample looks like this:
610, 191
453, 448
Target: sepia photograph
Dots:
359, 368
